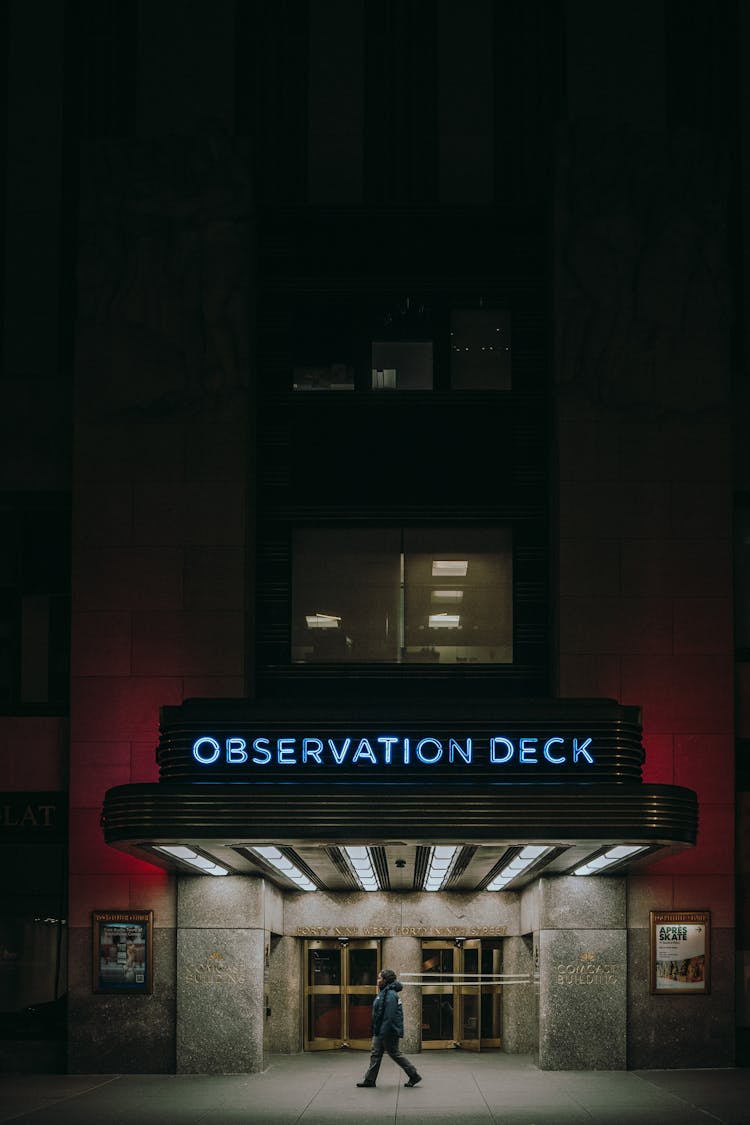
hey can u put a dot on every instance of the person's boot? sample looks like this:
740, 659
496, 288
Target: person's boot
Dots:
365, 1083
414, 1079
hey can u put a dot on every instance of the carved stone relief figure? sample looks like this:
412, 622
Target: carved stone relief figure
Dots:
164, 276
643, 294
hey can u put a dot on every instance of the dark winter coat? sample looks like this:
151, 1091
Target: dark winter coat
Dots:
387, 1013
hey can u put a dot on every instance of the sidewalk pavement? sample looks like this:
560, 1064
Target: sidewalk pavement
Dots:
458, 1088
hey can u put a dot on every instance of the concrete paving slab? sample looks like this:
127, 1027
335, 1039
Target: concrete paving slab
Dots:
457, 1089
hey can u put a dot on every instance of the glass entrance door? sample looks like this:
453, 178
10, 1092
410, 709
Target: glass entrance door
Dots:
461, 994
469, 995
340, 986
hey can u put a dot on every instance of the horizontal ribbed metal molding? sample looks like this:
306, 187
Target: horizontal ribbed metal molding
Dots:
554, 742
296, 814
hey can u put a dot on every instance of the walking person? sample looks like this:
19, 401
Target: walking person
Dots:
387, 1029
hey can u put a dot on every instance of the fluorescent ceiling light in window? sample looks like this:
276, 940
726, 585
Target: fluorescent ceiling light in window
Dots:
322, 621
187, 855
439, 867
449, 568
285, 867
360, 861
528, 855
449, 596
622, 851
444, 621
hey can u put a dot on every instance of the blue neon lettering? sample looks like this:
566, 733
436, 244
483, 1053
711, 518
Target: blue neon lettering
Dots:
438, 748
388, 741
262, 750
236, 751
339, 755
307, 752
581, 750
456, 748
527, 752
285, 747
382, 750
508, 751
548, 756
216, 750
364, 750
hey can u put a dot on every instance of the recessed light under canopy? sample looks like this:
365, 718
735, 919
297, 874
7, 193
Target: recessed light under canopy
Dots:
199, 862
441, 862
528, 855
362, 867
284, 866
614, 855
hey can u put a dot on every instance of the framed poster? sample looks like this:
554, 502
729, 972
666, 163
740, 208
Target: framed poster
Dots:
680, 951
122, 946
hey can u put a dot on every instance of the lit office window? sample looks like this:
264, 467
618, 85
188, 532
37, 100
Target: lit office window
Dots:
480, 350
458, 596
420, 596
346, 595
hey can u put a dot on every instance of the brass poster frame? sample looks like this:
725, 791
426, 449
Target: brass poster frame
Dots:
679, 952
122, 952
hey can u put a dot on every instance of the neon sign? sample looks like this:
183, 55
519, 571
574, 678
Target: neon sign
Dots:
392, 750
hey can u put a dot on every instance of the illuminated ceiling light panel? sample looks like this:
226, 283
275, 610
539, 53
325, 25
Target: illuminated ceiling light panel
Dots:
440, 864
622, 851
285, 867
187, 855
449, 596
322, 621
362, 868
449, 568
444, 620
512, 870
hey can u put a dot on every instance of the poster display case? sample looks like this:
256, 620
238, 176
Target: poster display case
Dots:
122, 951
680, 952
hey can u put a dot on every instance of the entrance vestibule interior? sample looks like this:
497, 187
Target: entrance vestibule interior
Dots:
461, 994
461, 985
340, 983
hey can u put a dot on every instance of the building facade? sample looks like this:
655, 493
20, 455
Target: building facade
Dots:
393, 445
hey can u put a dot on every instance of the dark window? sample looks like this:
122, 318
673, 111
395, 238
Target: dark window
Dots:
404, 344
402, 365
480, 350
742, 576
34, 606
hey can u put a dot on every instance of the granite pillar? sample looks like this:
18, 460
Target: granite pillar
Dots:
520, 1000
582, 974
284, 995
220, 978
404, 954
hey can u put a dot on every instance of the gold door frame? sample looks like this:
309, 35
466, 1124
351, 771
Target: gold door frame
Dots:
351, 994
440, 983
469, 990
472, 993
